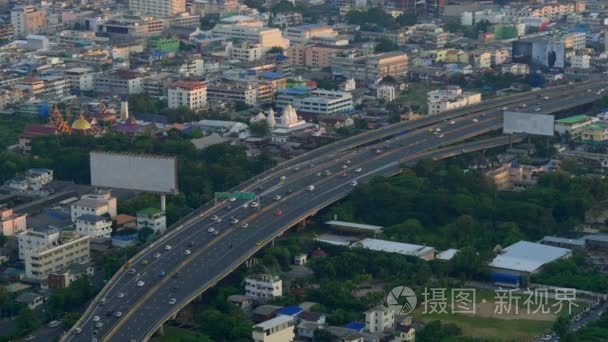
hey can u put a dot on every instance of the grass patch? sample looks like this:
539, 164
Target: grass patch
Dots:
10, 129
174, 334
416, 94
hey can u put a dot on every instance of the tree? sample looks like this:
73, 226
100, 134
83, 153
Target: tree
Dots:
321, 335
181, 114
2, 239
385, 44
144, 234
276, 49
437, 331
240, 106
257, 4
282, 6
144, 103
260, 128
561, 326
27, 321
407, 19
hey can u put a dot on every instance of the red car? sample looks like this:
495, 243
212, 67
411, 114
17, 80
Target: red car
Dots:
278, 213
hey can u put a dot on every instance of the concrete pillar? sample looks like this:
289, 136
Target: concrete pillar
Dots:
161, 330
163, 202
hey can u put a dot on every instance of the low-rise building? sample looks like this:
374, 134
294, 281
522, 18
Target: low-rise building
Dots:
387, 93
94, 226
30, 299
64, 278
189, 94
510, 176
37, 178
580, 61
70, 248
369, 68
517, 69
11, 223
263, 286
379, 319
595, 133
285, 19
33, 239
278, 329
120, 82
152, 218
452, 98
94, 204
423, 252
246, 52
573, 126
80, 79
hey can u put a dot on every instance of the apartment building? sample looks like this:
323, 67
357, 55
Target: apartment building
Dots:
278, 329
451, 98
573, 126
80, 79
27, 20
70, 248
379, 319
7, 32
152, 218
318, 55
94, 226
302, 34
94, 204
56, 86
370, 68
158, 8
387, 93
287, 19
263, 286
11, 223
265, 36
120, 82
32, 85
246, 52
189, 94
33, 239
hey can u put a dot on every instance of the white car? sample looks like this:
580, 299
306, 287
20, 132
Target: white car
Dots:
537, 109
118, 314
347, 162
254, 204
140, 283
437, 129
157, 255
187, 252
283, 178
344, 166
99, 325
168, 247
327, 172
131, 271
96, 319
318, 174
523, 105
354, 183
121, 295
277, 197
244, 225
214, 218
310, 187
172, 301
29, 338
358, 169
505, 108
234, 221
475, 120
210, 229
232, 199
440, 135
245, 205
77, 331
54, 324
452, 122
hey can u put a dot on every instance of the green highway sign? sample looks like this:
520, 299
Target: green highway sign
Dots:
238, 195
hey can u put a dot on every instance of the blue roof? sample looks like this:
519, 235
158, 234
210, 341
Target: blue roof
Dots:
355, 326
39, 170
124, 237
289, 310
299, 90
91, 218
305, 26
154, 118
271, 74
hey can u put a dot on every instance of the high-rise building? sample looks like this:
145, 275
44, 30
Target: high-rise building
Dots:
189, 94
158, 8
27, 20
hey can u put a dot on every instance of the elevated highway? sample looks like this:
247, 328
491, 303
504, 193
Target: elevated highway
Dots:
333, 170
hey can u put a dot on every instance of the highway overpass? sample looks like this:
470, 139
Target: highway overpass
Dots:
331, 169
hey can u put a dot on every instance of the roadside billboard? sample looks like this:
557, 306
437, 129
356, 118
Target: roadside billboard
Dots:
134, 171
518, 122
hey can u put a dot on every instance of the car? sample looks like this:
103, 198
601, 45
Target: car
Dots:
245, 205
437, 129
99, 325
254, 204
96, 319
505, 108
210, 230
259, 243
118, 314
344, 166
172, 301
131, 271
140, 283
278, 213
102, 301
219, 220
77, 330
53, 324
327, 172
452, 122
109, 313
277, 197
358, 169
347, 162
29, 338
144, 262
297, 168
168, 247
475, 120
214, 218
440, 136
589, 90
310, 187
378, 151
244, 225
216, 233
546, 97
318, 174
232, 199
187, 252
344, 174
121, 295
354, 183
234, 221
537, 109
157, 255
283, 178
162, 274
523, 105
289, 191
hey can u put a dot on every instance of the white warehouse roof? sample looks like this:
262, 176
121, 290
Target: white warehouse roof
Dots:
394, 247
527, 256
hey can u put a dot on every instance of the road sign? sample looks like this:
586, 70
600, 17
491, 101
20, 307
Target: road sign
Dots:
238, 195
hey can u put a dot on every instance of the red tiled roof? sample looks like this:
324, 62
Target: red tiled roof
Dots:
33, 131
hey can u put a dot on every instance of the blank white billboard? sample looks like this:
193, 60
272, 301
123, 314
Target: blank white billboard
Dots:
517, 122
134, 172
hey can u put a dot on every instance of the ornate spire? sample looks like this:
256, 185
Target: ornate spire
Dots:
271, 120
